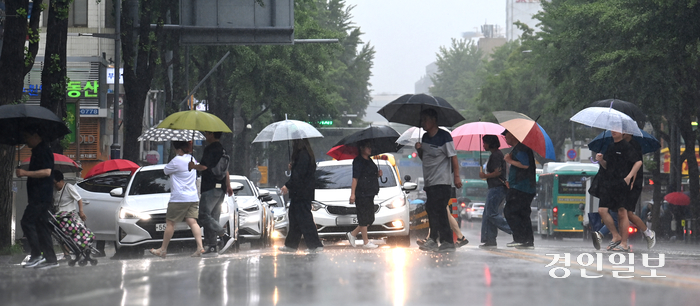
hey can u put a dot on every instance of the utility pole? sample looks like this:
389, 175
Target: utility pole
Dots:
116, 148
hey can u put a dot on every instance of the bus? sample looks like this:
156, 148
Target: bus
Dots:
561, 198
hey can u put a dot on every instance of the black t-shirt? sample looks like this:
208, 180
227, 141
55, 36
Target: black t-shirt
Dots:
620, 158
210, 157
40, 190
640, 174
496, 160
367, 175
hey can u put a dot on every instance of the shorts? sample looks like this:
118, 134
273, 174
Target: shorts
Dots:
632, 198
365, 210
614, 195
179, 211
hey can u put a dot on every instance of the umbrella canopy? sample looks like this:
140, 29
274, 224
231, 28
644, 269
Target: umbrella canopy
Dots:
194, 120
112, 165
407, 108
468, 137
60, 162
628, 108
413, 135
608, 119
381, 138
678, 198
15, 118
648, 142
156, 134
527, 131
287, 130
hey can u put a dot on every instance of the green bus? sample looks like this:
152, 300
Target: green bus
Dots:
561, 198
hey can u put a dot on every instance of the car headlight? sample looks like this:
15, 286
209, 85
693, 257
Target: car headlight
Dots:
315, 205
253, 208
394, 202
279, 218
125, 213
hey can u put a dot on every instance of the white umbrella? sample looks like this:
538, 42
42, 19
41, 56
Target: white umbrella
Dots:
608, 119
413, 135
156, 134
287, 130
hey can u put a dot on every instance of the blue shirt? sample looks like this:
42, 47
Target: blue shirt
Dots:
522, 179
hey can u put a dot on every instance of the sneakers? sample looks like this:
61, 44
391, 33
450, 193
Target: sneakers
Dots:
446, 247
514, 244
370, 245
287, 249
351, 239
228, 242
597, 238
526, 246
488, 245
210, 251
33, 262
651, 240
314, 250
461, 242
429, 245
46, 265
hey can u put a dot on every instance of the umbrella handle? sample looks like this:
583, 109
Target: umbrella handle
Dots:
287, 173
592, 160
384, 179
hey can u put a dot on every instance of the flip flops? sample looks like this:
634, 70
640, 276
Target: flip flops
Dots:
618, 248
613, 244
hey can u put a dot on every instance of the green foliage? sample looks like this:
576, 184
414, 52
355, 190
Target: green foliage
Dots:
22, 13
12, 250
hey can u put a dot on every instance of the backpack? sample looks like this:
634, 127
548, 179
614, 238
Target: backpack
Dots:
220, 169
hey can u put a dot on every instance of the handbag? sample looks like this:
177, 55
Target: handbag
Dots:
596, 188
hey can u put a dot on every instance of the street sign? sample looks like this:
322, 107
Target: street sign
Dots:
571, 154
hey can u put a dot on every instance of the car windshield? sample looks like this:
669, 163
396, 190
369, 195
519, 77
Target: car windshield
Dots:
105, 184
340, 177
246, 191
150, 182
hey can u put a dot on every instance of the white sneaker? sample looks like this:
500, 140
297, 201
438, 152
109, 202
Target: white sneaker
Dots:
370, 245
651, 239
287, 249
351, 239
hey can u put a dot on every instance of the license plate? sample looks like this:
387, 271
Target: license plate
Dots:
346, 221
160, 227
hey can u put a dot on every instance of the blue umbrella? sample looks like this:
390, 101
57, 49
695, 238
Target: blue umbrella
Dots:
648, 142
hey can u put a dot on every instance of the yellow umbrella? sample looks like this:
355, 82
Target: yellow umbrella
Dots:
194, 120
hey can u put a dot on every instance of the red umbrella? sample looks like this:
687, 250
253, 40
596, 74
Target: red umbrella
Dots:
60, 162
112, 165
678, 198
343, 152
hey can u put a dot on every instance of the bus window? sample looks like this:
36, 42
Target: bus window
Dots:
572, 184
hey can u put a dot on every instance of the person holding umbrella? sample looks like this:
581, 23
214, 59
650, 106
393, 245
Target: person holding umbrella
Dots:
440, 170
301, 189
521, 191
364, 187
35, 222
495, 176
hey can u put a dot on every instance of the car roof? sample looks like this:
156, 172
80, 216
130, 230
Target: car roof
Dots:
349, 162
238, 177
152, 167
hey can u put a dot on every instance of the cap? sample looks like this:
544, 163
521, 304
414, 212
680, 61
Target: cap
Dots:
504, 132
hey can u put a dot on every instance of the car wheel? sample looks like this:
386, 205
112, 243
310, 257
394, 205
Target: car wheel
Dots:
400, 241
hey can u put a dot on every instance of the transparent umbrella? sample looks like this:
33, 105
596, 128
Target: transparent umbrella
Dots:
608, 119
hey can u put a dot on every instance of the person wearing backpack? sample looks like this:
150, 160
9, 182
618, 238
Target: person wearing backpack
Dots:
215, 181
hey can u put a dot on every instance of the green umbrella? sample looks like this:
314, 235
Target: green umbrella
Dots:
194, 120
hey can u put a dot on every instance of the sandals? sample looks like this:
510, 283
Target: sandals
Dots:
613, 244
158, 252
198, 253
618, 248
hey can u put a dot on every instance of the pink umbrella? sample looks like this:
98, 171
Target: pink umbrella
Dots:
467, 137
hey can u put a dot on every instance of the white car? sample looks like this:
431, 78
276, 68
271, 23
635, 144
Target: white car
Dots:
475, 210
140, 218
334, 216
256, 222
99, 205
279, 211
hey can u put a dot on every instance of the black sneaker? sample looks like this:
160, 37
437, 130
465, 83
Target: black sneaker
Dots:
526, 246
46, 265
461, 242
34, 261
488, 245
429, 245
514, 244
446, 247
210, 251
228, 242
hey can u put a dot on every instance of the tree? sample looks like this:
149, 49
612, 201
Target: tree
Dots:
15, 62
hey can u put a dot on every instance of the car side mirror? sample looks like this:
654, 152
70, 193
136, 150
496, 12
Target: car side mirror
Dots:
236, 186
117, 192
262, 193
267, 198
272, 203
407, 178
408, 186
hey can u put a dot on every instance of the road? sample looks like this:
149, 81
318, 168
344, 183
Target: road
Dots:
342, 275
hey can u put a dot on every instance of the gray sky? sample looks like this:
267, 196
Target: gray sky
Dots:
406, 34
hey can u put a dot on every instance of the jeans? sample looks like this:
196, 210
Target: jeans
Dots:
35, 224
517, 213
492, 221
436, 207
209, 213
301, 222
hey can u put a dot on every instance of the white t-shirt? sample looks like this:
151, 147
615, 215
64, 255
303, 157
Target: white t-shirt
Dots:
183, 183
67, 198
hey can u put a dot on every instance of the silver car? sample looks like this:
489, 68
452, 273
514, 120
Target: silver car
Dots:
279, 211
256, 222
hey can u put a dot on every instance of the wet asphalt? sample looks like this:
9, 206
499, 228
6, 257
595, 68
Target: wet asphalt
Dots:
342, 275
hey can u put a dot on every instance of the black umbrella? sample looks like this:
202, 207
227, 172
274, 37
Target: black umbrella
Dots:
15, 118
407, 108
382, 139
629, 108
